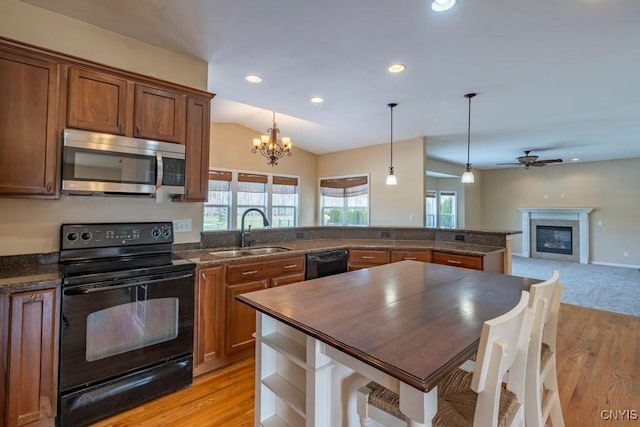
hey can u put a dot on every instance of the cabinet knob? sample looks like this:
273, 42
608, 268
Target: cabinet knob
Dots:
138, 130
121, 127
49, 186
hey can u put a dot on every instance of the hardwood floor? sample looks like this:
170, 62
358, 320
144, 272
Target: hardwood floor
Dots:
598, 364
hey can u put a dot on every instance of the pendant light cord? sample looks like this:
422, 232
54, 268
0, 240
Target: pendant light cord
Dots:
392, 136
469, 96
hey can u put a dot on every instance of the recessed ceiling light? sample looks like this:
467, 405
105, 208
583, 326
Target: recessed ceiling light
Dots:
252, 78
575, 159
397, 68
317, 100
442, 5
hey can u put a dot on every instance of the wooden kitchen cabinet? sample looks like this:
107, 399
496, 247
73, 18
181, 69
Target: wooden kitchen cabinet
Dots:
422, 255
240, 323
31, 391
159, 114
248, 277
492, 262
97, 102
360, 258
29, 90
208, 346
224, 327
197, 150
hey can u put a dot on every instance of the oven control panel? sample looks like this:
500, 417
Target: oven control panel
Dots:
75, 236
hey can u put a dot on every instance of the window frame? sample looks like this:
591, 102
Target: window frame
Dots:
439, 214
345, 205
233, 222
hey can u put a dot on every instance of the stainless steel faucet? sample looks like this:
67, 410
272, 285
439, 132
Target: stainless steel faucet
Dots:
243, 234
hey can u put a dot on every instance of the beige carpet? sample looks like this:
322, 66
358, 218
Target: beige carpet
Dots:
606, 288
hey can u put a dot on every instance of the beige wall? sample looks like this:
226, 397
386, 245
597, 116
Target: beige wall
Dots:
401, 205
40, 27
231, 146
611, 187
33, 226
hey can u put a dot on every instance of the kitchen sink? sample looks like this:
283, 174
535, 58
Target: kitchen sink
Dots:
233, 253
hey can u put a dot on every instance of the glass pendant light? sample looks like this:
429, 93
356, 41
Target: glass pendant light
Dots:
467, 176
391, 178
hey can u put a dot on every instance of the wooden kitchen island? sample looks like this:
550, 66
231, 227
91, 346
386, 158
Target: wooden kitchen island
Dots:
404, 325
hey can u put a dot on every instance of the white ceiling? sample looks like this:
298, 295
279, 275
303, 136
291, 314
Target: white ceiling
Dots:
559, 77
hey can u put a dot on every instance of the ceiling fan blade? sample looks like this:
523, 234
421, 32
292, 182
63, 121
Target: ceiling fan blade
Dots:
512, 163
551, 161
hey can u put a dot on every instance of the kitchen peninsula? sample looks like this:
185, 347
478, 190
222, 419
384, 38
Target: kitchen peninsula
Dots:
404, 325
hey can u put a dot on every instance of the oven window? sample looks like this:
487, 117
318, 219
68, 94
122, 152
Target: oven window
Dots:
131, 326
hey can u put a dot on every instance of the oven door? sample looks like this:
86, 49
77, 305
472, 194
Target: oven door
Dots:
111, 330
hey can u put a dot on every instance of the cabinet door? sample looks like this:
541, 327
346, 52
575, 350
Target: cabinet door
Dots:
96, 102
209, 321
29, 131
240, 319
32, 362
159, 114
197, 150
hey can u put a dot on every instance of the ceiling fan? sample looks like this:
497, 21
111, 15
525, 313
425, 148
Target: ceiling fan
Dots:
529, 160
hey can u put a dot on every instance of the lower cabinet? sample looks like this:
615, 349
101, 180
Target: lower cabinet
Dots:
240, 319
31, 383
424, 256
363, 258
492, 262
224, 326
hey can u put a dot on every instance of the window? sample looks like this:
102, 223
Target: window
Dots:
344, 201
284, 201
441, 209
218, 205
252, 193
230, 191
432, 209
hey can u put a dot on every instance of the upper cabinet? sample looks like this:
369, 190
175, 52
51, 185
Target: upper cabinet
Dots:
197, 149
159, 114
44, 91
29, 93
96, 102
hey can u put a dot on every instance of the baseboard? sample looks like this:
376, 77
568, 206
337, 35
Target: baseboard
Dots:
606, 264
615, 264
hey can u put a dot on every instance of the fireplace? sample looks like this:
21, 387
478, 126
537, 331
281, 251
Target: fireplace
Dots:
559, 244
553, 239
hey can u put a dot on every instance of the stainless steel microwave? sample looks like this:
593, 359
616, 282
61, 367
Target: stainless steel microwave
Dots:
103, 164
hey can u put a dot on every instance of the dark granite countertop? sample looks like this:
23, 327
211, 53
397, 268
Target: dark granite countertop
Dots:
301, 247
30, 276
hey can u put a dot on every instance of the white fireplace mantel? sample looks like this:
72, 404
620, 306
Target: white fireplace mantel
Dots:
571, 214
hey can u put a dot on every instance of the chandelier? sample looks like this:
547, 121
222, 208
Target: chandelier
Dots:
270, 147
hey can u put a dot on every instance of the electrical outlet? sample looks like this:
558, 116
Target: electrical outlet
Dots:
625, 253
460, 237
181, 225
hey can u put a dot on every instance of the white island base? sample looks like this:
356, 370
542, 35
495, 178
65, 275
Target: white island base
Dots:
300, 381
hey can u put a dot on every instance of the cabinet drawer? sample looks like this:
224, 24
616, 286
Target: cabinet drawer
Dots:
358, 256
239, 273
424, 256
456, 260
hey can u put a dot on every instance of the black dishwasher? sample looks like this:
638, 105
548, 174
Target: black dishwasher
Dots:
321, 264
